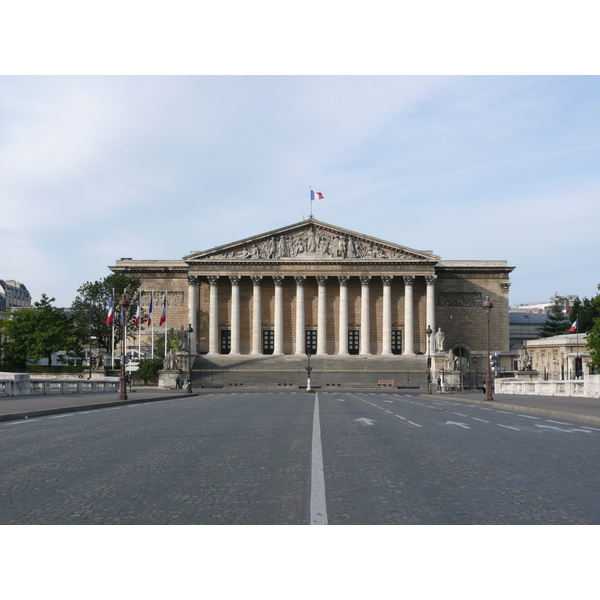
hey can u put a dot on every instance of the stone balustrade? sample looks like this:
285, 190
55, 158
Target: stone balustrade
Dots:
20, 384
585, 388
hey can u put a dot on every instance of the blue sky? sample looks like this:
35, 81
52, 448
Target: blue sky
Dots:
94, 168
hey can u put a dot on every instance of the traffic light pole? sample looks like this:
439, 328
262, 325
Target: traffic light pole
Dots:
308, 370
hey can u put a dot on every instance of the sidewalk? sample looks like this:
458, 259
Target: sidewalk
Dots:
576, 408
22, 407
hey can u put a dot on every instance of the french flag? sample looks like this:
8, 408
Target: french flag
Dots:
574, 326
111, 310
150, 310
316, 195
138, 313
163, 316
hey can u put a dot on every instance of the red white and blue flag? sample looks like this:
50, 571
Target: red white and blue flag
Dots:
150, 310
163, 316
574, 326
138, 313
316, 195
111, 310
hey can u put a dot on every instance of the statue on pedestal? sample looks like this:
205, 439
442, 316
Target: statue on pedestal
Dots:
440, 337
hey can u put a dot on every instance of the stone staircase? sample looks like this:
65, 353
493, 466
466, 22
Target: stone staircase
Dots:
328, 371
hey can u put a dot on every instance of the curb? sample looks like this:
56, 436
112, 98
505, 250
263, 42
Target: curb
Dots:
82, 407
545, 412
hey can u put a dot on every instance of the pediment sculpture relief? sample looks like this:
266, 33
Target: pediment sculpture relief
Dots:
309, 243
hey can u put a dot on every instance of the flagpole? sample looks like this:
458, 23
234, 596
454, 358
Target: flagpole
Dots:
310, 216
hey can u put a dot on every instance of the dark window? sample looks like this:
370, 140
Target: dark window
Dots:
396, 341
225, 341
268, 341
353, 342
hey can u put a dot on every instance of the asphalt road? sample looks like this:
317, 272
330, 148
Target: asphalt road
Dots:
271, 458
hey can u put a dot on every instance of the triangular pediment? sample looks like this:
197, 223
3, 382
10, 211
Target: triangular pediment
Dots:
311, 240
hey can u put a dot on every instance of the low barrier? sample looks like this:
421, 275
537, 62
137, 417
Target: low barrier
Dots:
22, 385
585, 388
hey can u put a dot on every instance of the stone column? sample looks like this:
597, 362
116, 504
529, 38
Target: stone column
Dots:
408, 315
235, 314
386, 334
256, 315
213, 315
300, 320
343, 324
193, 310
322, 315
430, 318
278, 334
365, 316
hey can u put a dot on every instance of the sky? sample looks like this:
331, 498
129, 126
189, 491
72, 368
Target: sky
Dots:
95, 168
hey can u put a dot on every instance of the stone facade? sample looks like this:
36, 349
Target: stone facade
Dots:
314, 285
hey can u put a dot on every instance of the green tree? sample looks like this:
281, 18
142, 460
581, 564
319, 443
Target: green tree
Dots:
39, 332
148, 368
586, 311
593, 335
159, 343
90, 308
557, 322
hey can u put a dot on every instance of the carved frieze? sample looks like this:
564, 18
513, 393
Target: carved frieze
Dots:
173, 298
460, 300
311, 242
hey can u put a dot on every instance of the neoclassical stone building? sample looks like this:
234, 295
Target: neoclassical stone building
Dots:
317, 286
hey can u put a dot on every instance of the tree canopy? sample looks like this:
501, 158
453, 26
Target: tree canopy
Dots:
586, 311
90, 307
593, 334
557, 322
38, 332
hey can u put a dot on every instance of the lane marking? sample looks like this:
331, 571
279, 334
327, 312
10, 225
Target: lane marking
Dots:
61, 416
529, 416
508, 427
400, 417
558, 422
592, 428
482, 420
415, 424
318, 506
463, 425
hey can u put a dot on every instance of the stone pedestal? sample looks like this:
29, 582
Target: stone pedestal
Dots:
182, 362
166, 378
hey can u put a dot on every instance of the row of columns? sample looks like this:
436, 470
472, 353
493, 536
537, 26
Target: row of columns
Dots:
365, 325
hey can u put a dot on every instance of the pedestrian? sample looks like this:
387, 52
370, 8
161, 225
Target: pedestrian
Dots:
177, 383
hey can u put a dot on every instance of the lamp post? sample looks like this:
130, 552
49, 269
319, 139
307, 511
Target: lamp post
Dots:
90, 353
428, 332
124, 305
487, 307
190, 330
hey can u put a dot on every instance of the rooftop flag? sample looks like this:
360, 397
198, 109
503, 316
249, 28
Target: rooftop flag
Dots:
574, 326
111, 310
316, 195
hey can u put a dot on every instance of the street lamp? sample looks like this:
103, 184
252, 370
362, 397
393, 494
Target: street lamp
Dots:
90, 353
428, 332
190, 330
124, 305
487, 307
